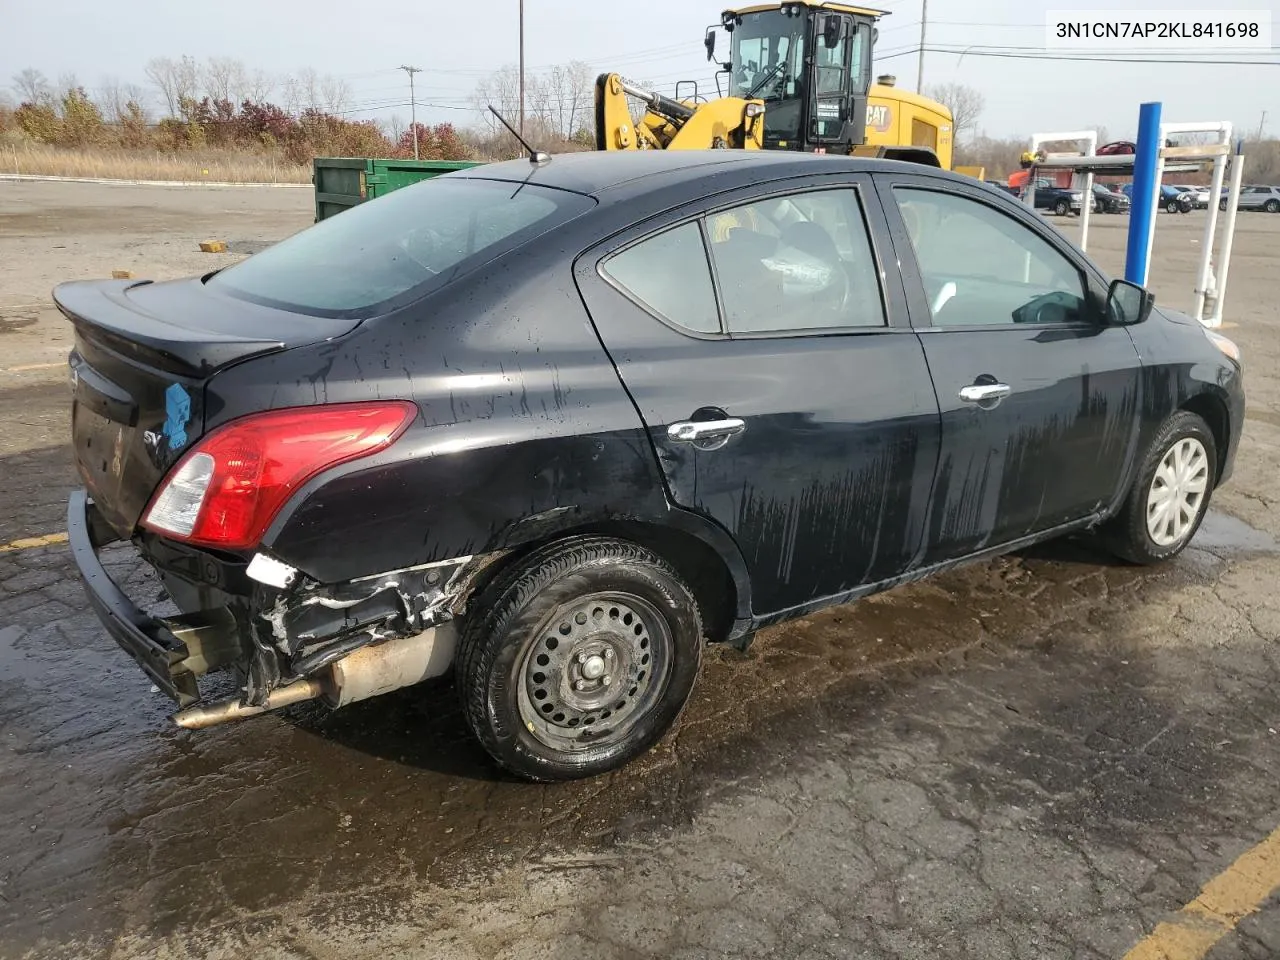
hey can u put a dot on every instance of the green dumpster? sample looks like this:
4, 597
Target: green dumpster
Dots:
342, 182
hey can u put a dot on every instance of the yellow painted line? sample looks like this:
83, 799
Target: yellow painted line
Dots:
1223, 902
30, 543
35, 366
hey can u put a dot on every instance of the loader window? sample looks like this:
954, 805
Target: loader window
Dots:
768, 64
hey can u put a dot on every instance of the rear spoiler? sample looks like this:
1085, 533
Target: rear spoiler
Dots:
101, 311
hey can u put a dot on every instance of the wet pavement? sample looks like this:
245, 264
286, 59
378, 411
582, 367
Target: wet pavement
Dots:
1039, 756
1042, 756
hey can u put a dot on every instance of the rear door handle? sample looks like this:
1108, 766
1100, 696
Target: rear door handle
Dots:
985, 392
700, 431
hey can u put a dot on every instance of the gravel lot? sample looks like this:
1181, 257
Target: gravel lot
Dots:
1042, 756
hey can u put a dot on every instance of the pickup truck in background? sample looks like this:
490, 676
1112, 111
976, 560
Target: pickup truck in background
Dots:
1062, 201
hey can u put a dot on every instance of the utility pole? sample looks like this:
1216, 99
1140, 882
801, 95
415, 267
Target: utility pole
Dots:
1262, 123
413, 107
924, 15
522, 68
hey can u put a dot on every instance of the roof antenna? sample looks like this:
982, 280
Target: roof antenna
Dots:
536, 157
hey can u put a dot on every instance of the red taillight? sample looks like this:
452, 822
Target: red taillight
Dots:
229, 487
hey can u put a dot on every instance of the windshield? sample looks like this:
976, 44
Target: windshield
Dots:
390, 251
768, 64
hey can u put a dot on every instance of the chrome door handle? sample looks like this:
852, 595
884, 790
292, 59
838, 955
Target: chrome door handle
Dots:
985, 392
692, 431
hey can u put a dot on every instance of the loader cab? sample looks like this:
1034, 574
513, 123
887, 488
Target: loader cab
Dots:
811, 64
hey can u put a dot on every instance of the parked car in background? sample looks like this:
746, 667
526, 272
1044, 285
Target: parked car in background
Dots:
1062, 201
1256, 197
1200, 195
1106, 200
551, 426
1172, 200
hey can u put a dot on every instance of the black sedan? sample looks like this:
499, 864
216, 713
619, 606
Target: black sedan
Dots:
553, 425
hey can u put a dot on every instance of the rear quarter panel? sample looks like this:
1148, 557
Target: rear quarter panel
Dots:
524, 427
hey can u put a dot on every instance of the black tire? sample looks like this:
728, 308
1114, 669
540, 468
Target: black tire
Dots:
1171, 206
1222, 205
501, 659
1272, 206
1127, 534
1062, 208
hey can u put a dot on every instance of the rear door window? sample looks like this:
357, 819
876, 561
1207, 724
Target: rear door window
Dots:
795, 263
668, 274
387, 252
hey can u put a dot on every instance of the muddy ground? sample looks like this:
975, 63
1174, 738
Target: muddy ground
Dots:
1038, 757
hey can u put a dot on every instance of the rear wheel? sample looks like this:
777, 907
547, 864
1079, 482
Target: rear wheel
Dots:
1222, 205
580, 660
1171, 494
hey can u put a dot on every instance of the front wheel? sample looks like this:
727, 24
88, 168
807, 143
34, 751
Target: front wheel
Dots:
1273, 206
1169, 499
1062, 208
1171, 206
1222, 205
579, 660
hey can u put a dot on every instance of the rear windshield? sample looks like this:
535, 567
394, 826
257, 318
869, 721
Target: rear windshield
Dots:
386, 252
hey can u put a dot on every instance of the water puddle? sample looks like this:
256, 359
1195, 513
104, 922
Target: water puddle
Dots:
1220, 531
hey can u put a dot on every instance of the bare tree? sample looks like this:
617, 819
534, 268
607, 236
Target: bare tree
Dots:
335, 93
259, 86
223, 78
500, 90
30, 85
67, 82
112, 97
177, 80
564, 95
395, 128
302, 90
965, 103
133, 93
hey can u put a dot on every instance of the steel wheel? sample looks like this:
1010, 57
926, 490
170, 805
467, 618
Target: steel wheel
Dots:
1177, 493
579, 658
592, 670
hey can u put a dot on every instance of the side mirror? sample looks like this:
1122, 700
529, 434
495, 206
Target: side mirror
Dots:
831, 31
1128, 303
710, 43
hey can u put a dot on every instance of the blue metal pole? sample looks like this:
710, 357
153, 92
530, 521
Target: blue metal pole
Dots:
1143, 209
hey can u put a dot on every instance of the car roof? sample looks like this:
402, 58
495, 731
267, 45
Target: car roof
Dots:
598, 173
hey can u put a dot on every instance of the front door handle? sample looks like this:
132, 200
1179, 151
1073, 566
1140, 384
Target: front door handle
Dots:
703, 432
985, 392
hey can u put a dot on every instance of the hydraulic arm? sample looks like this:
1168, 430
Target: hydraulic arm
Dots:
727, 122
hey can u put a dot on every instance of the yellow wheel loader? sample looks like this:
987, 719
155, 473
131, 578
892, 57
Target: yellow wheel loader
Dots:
799, 78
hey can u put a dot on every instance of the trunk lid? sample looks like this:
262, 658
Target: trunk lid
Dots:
143, 354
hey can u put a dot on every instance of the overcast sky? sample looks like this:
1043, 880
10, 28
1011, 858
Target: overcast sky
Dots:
456, 43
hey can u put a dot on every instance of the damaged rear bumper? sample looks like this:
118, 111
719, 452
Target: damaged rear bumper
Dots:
151, 643
297, 641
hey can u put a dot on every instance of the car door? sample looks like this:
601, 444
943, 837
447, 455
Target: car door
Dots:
1038, 396
767, 348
